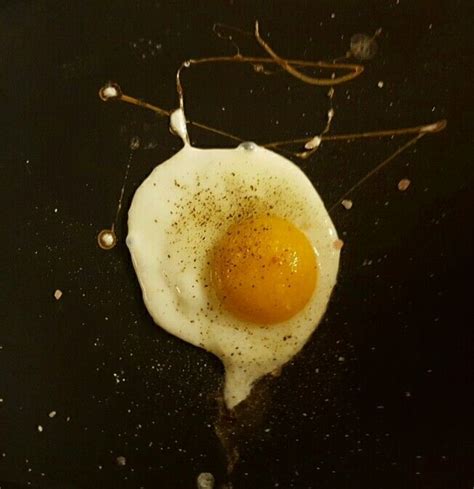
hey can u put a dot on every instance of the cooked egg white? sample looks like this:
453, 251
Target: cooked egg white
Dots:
234, 251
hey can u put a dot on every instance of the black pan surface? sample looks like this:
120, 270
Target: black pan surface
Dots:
381, 396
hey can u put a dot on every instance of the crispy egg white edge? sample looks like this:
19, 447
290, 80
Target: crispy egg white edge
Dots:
262, 349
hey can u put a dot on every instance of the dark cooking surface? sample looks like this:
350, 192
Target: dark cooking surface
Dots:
380, 397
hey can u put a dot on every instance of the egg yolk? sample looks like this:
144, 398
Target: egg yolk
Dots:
264, 270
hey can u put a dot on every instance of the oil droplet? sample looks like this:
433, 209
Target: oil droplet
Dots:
107, 239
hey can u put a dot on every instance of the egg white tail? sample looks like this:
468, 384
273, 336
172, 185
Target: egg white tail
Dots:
238, 384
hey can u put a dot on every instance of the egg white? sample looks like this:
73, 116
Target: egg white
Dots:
178, 215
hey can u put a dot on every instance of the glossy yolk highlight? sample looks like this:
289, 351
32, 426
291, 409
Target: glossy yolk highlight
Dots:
264, 270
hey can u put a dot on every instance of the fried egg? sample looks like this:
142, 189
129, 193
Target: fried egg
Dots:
235, 253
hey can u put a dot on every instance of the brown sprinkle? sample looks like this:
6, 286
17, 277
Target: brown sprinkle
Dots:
338, 244
403, 184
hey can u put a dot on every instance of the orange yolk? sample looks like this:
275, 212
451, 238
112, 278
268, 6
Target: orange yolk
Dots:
264, 270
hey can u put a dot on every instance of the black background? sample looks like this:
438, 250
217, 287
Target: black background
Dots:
381, 397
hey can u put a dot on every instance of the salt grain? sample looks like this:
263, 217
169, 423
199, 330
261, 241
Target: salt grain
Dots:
40, 428
347, 204
52, 414
58, 294
380, 84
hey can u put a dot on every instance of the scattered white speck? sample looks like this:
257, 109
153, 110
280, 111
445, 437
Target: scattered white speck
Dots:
333, 15
380, 406
341, 359
267, 430
347, 204
407, 394
40, 428
380, 84
205, 480
1, 400
52, 414
58, 294
121, 461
